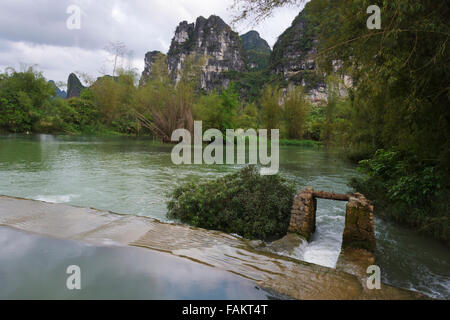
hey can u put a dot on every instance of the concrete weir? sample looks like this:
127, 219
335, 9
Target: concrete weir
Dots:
297, 279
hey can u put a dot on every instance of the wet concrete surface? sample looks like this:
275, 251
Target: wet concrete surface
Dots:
284, 275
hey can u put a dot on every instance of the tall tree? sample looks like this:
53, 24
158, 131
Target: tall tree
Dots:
271, 111
295, 112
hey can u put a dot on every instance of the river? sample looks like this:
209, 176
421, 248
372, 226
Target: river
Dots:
134, 176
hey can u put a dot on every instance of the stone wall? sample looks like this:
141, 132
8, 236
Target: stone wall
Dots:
359, 232
358, 241
303, 214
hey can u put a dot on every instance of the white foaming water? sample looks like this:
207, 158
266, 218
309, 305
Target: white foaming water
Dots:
56, 198
325, 245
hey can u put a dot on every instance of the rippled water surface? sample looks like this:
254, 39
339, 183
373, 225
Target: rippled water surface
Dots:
109, 273
134, 176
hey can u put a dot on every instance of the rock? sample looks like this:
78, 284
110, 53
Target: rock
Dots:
359, 232
294, 58
257, 244
211, 38
230, 57
295, 49
150, 59
74, 86
291, 245
257, 51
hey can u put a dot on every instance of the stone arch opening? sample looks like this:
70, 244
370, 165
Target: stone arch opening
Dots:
359, 231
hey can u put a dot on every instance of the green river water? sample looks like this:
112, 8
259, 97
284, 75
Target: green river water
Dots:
134, 176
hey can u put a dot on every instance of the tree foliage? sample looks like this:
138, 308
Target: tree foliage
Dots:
23, 98
407, 190
258, 10
114, 98
399, 101
163, 106
271, 112
217, 110
296, 110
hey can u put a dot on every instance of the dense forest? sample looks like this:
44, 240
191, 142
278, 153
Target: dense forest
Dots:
395, 120
115, 105
399, 116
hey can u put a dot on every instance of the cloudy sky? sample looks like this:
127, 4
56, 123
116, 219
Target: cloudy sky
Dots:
35, 32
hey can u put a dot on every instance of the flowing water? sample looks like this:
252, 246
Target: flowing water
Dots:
114, 273
134, 176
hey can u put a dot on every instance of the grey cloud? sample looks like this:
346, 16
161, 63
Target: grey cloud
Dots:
35, 30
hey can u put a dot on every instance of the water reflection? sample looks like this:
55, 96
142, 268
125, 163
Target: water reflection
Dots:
34, 267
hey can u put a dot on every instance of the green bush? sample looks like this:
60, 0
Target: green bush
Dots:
245, 203
407, 191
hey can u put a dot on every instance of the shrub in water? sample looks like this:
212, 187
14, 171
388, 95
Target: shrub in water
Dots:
245, 203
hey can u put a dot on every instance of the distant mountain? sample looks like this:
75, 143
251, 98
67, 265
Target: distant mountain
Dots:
295, 48
74, 86
58, 92
231, 57
252, 41
294, 56
210, 37
257, 50
150, 59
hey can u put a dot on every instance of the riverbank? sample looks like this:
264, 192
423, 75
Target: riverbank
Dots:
115, 134
287, 276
